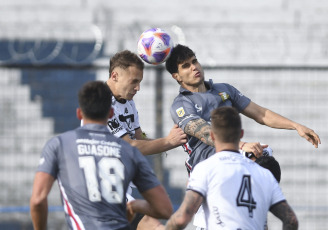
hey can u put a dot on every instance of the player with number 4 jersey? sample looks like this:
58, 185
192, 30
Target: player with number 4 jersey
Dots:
235, 192
236, 188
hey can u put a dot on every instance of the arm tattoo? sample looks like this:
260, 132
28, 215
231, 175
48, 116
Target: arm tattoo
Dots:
285, 213
184, 214
200, 129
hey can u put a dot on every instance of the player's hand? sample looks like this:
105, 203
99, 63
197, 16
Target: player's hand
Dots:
176, 136
309, 135
150, 223
254, 147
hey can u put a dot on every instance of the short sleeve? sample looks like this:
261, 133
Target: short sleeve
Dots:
277, 195
48, 162
239, 101
198, 180
183, 111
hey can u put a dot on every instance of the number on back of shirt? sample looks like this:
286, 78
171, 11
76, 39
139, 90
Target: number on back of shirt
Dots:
111, 174
245, 197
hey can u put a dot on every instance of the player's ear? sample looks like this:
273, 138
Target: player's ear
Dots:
111, 112
176, 76
212, 136
241, 133
113, 75
79, 114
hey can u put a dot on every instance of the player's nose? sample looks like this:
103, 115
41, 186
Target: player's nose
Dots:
137, 88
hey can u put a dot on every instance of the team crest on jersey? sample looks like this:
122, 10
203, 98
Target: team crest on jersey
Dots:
180, 111
224, 96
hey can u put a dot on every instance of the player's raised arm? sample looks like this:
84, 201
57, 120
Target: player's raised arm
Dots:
175, 138
269, 118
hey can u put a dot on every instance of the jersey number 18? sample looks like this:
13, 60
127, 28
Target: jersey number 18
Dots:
111, 174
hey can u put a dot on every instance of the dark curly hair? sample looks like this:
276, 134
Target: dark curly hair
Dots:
269, 162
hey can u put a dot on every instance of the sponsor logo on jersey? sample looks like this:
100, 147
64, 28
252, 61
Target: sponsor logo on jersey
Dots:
114, 126
198, 108
224, 96
180, 111
127, 119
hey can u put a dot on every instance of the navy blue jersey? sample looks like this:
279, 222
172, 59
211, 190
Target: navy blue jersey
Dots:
94, 169
189, 106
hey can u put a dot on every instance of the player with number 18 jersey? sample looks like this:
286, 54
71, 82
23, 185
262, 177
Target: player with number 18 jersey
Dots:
72, 157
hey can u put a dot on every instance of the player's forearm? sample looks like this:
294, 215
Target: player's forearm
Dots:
180, 219
148, 147
278, 121
39, 214
143, 207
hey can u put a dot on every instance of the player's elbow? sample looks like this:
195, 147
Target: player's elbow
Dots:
37, 202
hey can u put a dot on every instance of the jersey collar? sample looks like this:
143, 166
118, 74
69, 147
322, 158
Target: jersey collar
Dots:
208, 85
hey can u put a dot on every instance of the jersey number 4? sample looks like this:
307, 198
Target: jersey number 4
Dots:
111, 174
245, 196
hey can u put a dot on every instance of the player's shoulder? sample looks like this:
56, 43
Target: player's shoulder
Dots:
181, 99
222, 86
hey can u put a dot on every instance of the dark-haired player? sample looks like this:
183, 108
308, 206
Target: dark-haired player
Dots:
94, 169
197, 98
236, 192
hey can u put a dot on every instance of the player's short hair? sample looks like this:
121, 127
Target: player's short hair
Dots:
179, 54
95, 100
124, 60
226, 124
269, 162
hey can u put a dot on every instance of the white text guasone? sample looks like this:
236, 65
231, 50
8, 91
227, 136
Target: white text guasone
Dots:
98, 150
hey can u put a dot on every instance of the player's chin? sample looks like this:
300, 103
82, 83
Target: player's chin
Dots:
130, 96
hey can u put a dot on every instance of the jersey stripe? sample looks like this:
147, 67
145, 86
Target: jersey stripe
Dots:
75, 219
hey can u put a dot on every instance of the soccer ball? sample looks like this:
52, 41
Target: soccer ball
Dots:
154, 46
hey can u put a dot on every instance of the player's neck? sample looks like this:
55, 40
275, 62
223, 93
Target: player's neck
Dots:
88, 121
219, 147
195, 89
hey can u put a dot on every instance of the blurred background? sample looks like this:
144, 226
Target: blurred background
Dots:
275, 52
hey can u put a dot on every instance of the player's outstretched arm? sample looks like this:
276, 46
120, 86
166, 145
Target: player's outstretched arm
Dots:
175, 138
157, 204
269, 118
38, 202
185, 213
285, 213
